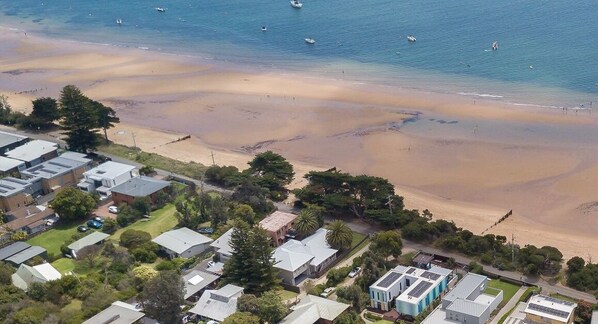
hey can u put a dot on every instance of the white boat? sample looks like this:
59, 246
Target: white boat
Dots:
161, 9
411, 38
264, 28
310, 41
296, 4
119, 21
495, 46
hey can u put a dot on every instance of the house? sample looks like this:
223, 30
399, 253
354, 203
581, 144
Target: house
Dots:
29, 219
423, 261
57, 173
313, 309
298, 260
142, 186
196, 281
411, 289
34, 152
26, 255
277, 225
222, 247
12, 249
27, 275
9, 141
182, 242
10, 166
105, 176
218, 304
16, 193
91, 239
117, 313
467, 302
545, 309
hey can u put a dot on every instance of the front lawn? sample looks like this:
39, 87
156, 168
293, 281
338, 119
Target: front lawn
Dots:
52, 239
508, 289
160, 221
64, 265
286, 294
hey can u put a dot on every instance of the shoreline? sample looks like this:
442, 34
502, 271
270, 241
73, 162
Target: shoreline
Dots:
465, 161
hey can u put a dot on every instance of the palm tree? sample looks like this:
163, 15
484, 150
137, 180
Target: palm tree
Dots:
306, 223
339, 235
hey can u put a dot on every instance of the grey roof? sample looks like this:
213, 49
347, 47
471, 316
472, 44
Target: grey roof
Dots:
595, 317
468, 307
181, 239
12, 249
222, 244
312, 308
423, 258
465, 287
197, 280
117, 313
10, 186
10, 138
75, 156
108, 170
88, 240
32, 150
9, 164
313, 249
26, 275
218, 304
54, 167
140, 186
26, 255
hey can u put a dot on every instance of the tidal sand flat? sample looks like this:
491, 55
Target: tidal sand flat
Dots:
465, 160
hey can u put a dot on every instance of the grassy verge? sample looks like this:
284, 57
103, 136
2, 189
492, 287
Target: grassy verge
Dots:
508, 290
506, 315
52, 239
287, 294
189, 169
160, 221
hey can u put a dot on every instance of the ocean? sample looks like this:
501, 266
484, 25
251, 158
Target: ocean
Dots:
547, 49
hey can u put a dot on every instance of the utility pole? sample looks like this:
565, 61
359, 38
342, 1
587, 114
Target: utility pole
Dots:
212, 153
134, 143
513, 248
389, 203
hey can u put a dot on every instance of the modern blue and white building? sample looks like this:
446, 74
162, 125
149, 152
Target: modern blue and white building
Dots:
408, 289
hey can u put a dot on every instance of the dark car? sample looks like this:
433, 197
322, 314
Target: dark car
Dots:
82, 228
94, 224
205, 230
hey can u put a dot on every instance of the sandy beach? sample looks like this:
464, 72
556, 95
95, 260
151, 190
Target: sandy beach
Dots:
466, 160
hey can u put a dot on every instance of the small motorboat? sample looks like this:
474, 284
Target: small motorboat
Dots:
264, 28
296, 4
411, 38
119, 21
310, 41
495, 45
161, 9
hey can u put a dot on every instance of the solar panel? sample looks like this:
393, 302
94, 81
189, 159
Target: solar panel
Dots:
391, 278
430, 275
419, 289
560, 301
548, 310
410, 270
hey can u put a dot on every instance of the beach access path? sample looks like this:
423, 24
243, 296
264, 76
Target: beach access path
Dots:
509, 305
364, 228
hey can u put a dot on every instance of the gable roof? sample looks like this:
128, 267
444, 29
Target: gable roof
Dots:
312, 308
117, 313
141, 186
197, 280
28, 215
88, 240
222, 244
181, 239
218, 304
293, 254
26, 255
26, 275
12, 249
32, 150
108, 170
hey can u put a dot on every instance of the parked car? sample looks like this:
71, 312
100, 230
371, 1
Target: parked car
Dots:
82, 228
211, 264
113, 209
327, 292
99, 219
94, 224
205, 230
354, 272
50, 222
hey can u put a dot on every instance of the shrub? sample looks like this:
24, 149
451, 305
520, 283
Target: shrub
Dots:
132, 238
144, 255
336, 276
110, 226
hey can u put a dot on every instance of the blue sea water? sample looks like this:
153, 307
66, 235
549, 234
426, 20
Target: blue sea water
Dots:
357, 39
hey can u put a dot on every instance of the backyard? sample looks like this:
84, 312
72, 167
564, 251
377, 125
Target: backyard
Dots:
508, 289
52, 239
160, 221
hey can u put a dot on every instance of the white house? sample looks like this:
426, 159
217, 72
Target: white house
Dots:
297, 260
313, 309
545, 309
105, 176
222, 246
182, 242
218, 304
27, 275
117, 313
34, 152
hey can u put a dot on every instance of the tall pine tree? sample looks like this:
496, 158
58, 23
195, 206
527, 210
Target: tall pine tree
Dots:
78, 119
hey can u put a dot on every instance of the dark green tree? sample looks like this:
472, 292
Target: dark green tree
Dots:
73, 204
244, 213
6, 272
45, 110
105, 117
575, 264
271, 307
387, 243
162, 296
133, 238
353, 295
348, 318
273, 172
78, 119
241, 318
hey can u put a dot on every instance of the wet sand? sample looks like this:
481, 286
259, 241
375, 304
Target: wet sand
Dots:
466, 161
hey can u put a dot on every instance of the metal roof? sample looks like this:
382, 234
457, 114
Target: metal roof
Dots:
140, 186
465, 287
181, 239
468, 307
26, 255
10, 138
10, 186
12, 249
109, 170
197, 280
549, 307
313, 308
214, 305
53, 168
313, 249
91, 239
32, 150
9, 164
117, 313
222, 244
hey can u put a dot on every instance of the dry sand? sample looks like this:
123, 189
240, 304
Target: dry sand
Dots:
466, 161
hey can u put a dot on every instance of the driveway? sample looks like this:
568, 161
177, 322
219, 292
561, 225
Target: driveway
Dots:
103, 212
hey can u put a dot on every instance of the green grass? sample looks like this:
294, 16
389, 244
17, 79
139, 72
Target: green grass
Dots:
357, 237
506, 315
64, 265
191, 169
52, 239
73, 306
287, 294
382, 322
160, 221
508, 290
356, 248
